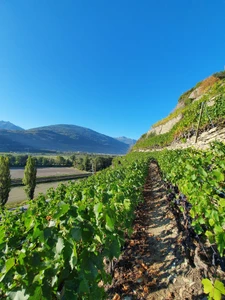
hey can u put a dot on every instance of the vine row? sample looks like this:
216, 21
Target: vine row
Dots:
57, 248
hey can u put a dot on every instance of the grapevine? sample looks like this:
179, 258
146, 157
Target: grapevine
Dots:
57, 248
196, 191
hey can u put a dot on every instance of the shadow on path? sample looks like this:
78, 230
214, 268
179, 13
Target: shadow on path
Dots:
153, 265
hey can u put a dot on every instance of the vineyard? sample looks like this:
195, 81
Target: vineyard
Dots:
112, 150
57, 248
196, 193
213, 115
195, 183
63, 248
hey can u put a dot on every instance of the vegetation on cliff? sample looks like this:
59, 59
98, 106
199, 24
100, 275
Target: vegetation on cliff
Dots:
211, 91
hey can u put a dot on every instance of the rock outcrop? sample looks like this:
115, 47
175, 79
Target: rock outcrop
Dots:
164, 128
203, 141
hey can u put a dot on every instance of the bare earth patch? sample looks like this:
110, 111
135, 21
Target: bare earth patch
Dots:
44, 172
17, 194
153, 264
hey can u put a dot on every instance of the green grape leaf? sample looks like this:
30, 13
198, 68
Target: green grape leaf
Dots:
193, 177
62, 210
220, 240
222, 202
19, 295
127, 204
8, 265
207, 285
2, 236
220, 286
28, 222
84, 286
37, 294
115, 248
76, 233
47, 233
109, 223
98, 239
218, 175
98, 209
210, 236
202, 172
59, 245
38, 233
211, 222
73, 258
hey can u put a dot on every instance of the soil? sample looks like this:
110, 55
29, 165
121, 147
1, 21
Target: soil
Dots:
17, 194
46, 172
153, 264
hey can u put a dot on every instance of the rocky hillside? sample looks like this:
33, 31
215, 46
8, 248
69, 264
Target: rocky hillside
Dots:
180, 128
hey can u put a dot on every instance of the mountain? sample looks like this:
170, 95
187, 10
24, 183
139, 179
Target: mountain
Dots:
198, 117
63, 138
126, 140
9, 126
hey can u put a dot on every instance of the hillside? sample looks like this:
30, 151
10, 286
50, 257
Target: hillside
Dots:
180, 127
9, 126
126, 140
69, 138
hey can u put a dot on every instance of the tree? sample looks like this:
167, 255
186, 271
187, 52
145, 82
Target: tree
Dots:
79, 163
94, 164
87, 163
60, 160
5, 180
73, 158
21, 160
29, 179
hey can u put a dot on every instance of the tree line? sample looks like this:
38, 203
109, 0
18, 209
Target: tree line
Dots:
92, 163
81, 162
40, 161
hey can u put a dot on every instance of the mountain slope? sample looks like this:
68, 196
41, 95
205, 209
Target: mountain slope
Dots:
61, 138
9, 126
182, 123
126, 140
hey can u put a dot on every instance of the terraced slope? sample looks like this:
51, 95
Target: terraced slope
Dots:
182, 123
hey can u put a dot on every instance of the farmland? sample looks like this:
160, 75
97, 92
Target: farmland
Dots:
83, 224
46, 178
17, 194
46, 172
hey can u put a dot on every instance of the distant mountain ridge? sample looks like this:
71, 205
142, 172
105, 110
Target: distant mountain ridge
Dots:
60, 138
9, 126
126, 140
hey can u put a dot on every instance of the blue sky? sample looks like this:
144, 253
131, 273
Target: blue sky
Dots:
116, 67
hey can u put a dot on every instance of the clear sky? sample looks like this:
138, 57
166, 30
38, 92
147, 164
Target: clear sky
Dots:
114, 66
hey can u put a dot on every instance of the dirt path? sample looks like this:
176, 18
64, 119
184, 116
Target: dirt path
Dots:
153, 265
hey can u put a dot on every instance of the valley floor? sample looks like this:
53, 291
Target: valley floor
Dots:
17, 194
153, 265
